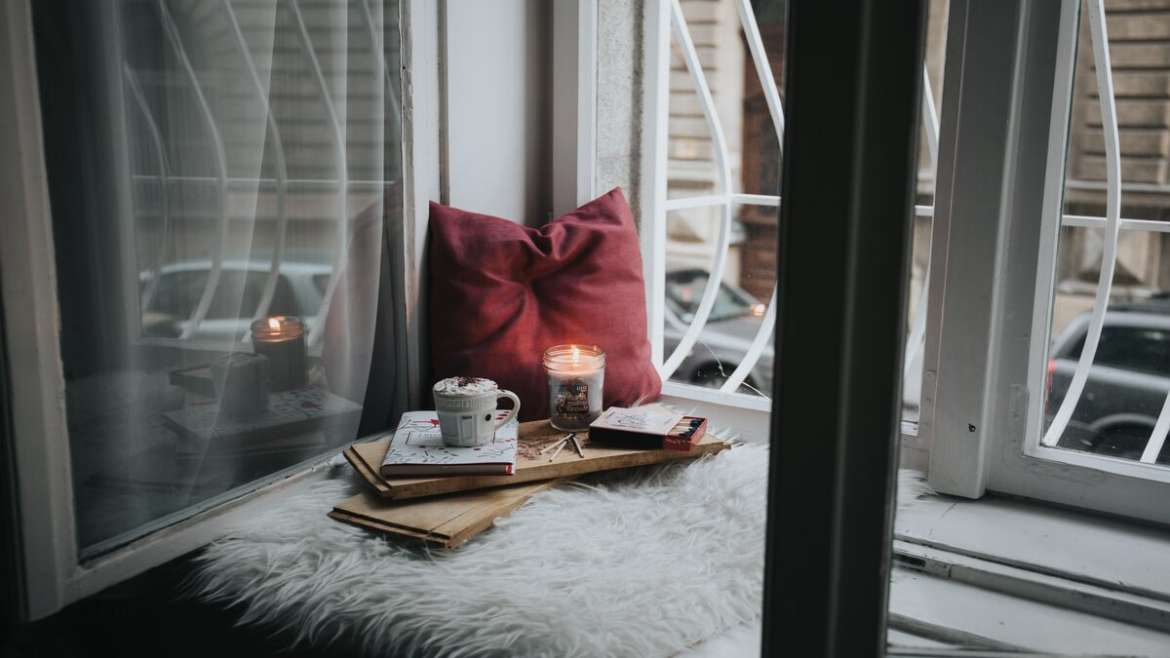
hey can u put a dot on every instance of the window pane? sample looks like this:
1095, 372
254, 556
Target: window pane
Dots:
735, 318
697, 198
210, 165
749, 154
1126, 384
998, 373
1134, 348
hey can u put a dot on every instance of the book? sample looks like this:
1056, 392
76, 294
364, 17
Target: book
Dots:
417, 448
443, 521
534, 462
648, 428
289, 413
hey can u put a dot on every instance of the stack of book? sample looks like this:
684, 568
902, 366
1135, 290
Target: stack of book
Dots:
423, 490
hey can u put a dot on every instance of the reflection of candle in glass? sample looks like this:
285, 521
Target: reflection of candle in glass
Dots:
281, 338
576, 376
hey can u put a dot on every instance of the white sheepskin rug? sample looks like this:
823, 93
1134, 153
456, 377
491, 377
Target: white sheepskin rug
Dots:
645, 564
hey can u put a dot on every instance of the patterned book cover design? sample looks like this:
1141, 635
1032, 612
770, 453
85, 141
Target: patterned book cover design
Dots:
311, 403
418, 442
642, 420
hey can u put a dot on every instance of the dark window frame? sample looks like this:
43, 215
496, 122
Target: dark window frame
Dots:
853, 86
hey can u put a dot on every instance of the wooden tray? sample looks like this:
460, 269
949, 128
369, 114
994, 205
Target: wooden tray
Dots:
445, 521
530, 466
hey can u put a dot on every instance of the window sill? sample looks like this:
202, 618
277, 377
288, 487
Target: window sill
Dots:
968, 563
196, 530
747, 418
716, 397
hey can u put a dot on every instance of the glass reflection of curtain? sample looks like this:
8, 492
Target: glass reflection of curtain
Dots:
263, 121
260, 143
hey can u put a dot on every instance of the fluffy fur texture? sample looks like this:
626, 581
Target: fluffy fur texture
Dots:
644, 564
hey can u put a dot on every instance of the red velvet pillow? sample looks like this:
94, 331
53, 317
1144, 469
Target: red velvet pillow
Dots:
501, 293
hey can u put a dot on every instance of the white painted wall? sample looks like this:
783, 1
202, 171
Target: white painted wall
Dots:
498, 105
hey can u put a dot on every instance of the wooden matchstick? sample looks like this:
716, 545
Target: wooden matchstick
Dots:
562, 447
555, 444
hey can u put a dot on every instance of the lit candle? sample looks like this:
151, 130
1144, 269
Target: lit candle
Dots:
281, 338
576, 376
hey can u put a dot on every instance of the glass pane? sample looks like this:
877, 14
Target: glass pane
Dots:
736, 315
739, 103
692, 167
753, 157
211, 166
1127, 382
753, 148
923, 217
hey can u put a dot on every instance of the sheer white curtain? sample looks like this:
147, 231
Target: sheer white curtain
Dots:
255, 148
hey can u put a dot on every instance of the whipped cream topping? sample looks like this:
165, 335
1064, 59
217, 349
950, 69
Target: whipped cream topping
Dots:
465, 386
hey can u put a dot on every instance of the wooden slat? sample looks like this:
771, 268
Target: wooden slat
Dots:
704, 34
1137, 26
695, 127
1141, 55
1113, 7
1092, 167
1133, 142
1132, 113
700, 11
708, 56
680, 81
700, 150
1128, 84
683, 103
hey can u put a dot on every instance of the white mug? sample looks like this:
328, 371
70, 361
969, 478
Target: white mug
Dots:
466, 407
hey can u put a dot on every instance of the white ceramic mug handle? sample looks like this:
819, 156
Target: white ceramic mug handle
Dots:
515, 407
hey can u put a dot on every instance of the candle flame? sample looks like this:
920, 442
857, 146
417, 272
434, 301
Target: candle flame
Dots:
576, 354
274, 324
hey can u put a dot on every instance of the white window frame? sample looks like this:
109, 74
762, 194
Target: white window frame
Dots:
996, 237
664, 18
54, 575
664, 21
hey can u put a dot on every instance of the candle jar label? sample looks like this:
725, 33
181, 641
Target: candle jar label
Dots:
575, 402
572, 402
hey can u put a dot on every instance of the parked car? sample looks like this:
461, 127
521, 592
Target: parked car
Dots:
1127, 382
735, 318
299, 291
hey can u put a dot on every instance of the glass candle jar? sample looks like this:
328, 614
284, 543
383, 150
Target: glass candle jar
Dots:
576, 376
281, 338
241, 383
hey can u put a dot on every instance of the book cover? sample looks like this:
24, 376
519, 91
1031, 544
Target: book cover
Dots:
300, 410
653, 421
417, 448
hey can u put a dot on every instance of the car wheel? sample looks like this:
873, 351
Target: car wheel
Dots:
1124, 441
710, 375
